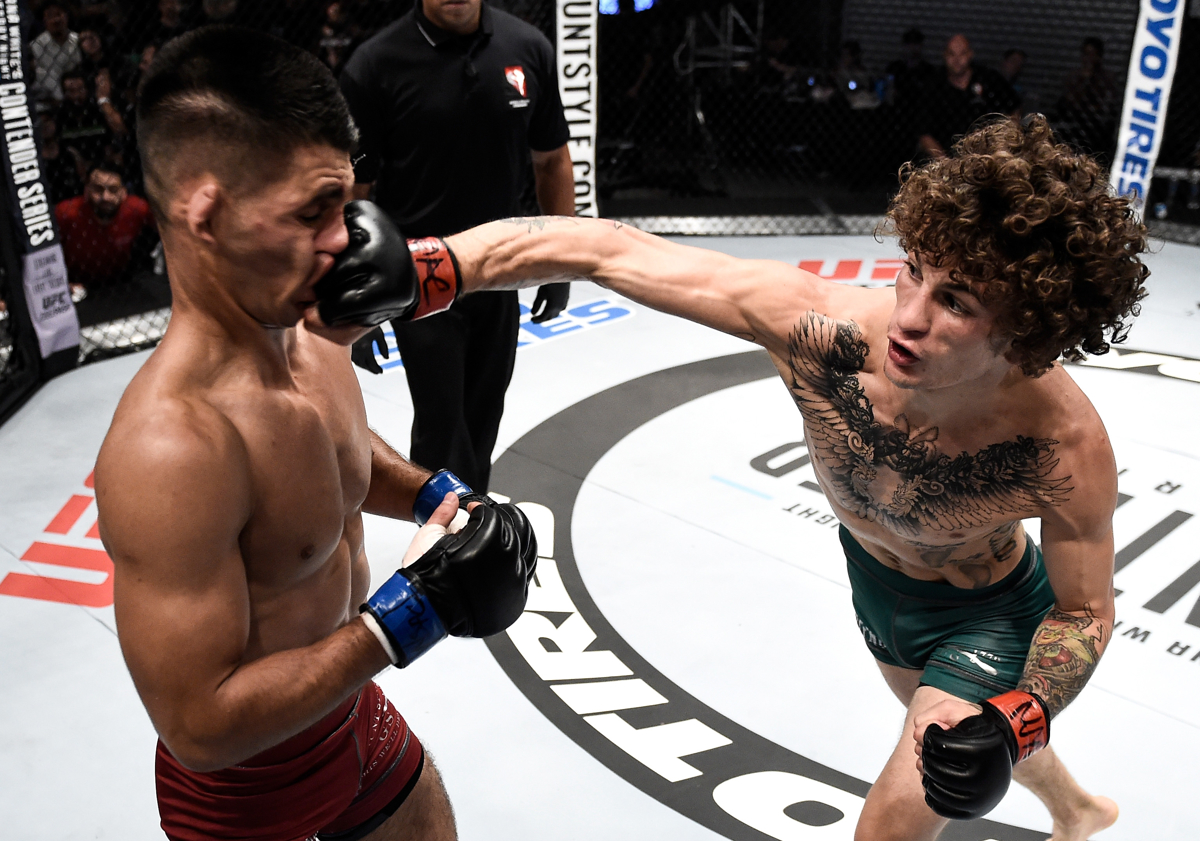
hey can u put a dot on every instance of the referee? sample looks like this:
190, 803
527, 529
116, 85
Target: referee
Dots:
451, 101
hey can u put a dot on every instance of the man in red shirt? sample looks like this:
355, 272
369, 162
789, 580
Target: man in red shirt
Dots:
106, 233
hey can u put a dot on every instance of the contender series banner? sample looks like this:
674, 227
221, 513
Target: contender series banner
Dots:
1144, 112
576, 47
47, 293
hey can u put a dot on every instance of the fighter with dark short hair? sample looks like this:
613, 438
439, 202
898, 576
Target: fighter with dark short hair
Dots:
938, 417
232, 483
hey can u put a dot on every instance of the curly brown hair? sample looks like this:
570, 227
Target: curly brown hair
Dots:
1034, 229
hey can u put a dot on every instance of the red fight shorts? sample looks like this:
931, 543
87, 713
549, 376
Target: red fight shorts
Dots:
337, 780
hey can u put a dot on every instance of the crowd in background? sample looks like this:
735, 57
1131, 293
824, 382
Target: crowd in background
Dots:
85, 59
807, 103
791, 106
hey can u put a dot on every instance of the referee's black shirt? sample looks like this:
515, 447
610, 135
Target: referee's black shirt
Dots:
447, 121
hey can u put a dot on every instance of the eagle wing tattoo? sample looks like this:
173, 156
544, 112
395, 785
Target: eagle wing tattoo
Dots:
929, 489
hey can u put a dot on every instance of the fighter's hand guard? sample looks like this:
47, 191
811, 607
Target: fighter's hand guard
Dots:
968, 768
470, 584
381, 276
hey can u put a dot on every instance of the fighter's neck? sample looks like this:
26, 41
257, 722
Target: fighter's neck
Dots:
964, 405
226, 337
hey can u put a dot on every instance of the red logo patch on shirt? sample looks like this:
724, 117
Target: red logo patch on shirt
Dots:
516, 78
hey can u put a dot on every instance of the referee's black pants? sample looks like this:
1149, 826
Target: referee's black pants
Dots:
459, 364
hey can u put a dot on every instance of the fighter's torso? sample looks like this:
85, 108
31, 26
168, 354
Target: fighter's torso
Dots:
936, 502
308, 451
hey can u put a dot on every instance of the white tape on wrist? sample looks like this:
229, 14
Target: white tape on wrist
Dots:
375, 628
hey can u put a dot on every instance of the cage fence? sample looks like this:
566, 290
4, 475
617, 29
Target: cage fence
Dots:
746, 117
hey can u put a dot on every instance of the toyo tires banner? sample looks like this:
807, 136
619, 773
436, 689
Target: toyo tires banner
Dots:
1147, 89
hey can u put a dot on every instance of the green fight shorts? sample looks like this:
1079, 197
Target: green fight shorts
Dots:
970, 643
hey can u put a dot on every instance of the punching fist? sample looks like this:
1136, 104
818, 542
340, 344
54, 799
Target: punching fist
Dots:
380, 276
968, 768
470, 584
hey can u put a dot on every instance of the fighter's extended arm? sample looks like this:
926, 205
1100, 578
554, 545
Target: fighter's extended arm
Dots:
174, 495
395, 482
758, 300
1077, 542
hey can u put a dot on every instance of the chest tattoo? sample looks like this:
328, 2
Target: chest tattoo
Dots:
895, 475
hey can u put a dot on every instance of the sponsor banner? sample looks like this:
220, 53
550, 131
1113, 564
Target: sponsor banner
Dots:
578, 318
48, 300
1147, 89
576, 47
48, 296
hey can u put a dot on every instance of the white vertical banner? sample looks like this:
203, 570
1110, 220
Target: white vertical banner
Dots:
1147, 89
575, 28
48, 297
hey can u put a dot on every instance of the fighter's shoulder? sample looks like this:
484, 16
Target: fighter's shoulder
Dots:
833, 309
1064, 414
171, 439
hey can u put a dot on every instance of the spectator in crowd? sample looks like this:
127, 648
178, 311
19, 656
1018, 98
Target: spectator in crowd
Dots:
487, 81
336, 40
94, 56
127, 104
1012, 66
1086, 111
780, 61
94, 15
55, 53
911, 73
852, 79
107, 234
960, 94
169, 22
296, 21
221, 11
60, 165
91, 125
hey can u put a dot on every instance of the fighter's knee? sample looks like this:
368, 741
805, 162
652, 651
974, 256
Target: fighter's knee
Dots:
881, 821
877, 829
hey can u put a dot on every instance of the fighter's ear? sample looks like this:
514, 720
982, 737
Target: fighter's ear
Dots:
199, 205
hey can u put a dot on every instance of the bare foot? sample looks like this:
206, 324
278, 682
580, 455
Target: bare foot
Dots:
1100, 813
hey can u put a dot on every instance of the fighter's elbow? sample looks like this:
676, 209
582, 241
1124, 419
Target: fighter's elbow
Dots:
202, 749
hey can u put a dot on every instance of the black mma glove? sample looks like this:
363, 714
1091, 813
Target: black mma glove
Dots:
362, 352
381, 276
551, 300
968, 768
470, 584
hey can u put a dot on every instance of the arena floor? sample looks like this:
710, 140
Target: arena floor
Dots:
689, 667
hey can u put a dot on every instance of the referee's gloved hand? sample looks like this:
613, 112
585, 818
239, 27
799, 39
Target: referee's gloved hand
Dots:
551, 300
362, 352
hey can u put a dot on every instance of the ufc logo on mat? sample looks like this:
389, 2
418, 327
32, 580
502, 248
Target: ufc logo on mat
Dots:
69, 564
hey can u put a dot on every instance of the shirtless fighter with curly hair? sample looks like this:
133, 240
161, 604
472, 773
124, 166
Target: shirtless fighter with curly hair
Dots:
938, 417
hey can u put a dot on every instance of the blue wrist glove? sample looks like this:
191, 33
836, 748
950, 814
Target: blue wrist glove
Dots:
434, 491
470, 584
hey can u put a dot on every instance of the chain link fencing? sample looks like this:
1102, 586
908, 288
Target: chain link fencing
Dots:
749, 117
